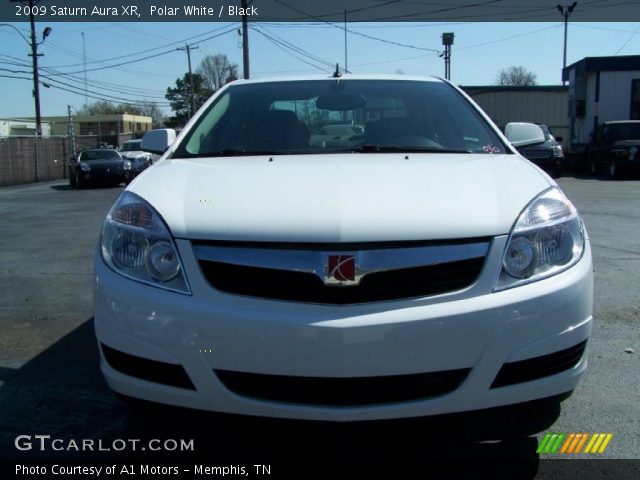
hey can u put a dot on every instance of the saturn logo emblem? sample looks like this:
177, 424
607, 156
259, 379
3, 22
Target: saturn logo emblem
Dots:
341, 270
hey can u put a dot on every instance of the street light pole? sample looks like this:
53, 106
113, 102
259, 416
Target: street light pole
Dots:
565, 11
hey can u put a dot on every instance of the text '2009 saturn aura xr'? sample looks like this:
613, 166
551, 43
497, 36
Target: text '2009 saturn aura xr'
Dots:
344, 248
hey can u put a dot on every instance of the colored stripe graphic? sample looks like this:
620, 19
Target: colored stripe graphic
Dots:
543, 444
572, 443
556, 445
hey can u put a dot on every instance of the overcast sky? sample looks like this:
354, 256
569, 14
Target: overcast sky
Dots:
480, 51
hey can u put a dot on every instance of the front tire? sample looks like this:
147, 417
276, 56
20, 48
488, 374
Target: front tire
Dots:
80, 183
557, 170
613, 171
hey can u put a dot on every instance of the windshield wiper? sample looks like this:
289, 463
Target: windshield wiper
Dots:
370, 148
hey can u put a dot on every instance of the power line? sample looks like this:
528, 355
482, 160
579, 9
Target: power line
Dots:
287, 51
298, 49
627, 42
370, 37
48, 77
508, 38
155, 55
96, 97
119, 57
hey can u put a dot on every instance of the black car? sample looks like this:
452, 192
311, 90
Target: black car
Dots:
548, 155
615, 149
102, 165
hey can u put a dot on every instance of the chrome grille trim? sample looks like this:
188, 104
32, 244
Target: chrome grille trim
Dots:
367, 261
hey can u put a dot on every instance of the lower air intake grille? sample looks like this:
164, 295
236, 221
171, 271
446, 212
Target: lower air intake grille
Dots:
342, 391
539, 367
150, 370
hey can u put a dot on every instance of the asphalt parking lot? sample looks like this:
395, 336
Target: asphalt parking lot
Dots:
50, 382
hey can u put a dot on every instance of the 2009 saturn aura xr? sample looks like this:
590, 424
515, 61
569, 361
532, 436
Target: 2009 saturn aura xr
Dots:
344, 248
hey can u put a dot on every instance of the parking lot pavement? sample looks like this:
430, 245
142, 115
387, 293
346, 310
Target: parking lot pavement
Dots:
50, 382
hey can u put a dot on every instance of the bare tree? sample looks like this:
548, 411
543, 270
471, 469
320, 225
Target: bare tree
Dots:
151, 109
217, 70
516, 77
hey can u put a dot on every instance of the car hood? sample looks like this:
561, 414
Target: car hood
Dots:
106, 163
133, 154
341, 198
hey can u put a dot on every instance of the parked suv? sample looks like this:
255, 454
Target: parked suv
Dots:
548, 154
423, 267
614, 151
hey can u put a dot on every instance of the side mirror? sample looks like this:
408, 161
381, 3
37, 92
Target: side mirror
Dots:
157, 141
559, 139
522, 134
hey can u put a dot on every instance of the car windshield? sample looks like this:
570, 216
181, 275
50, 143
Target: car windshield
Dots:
130, 146
328, 116
90, 155
624, 131
547, 132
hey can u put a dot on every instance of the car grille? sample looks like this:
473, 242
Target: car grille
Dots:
307, 287
537, 153
293, 284
350, 391
539, 367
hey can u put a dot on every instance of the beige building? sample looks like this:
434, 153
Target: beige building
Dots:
546, 104
104, 125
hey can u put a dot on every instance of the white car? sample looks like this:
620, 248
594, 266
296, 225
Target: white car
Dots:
141, 160
422, 268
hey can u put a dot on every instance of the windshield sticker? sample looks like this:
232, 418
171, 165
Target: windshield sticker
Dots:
491, 149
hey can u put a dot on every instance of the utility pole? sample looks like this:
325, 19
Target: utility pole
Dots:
346, 68
187, 48
447, 41
565, 11
36, 81
245, 40
36, 86
84, 61
71, 137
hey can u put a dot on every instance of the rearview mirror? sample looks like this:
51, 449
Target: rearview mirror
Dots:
157, 141
340, 102
521, 134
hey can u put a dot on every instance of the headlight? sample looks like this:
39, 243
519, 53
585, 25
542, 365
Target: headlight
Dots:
84, 167
557, 151
546, 239
127, 165
136, 243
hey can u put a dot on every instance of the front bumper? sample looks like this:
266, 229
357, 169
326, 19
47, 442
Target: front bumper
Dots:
470, 329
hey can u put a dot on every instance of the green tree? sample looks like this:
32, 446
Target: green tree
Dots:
180, 98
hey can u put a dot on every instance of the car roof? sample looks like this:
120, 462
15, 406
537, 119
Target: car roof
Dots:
344, 77
99, 150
